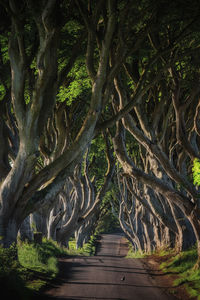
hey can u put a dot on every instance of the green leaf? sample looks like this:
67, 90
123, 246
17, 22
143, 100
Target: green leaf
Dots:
196, 171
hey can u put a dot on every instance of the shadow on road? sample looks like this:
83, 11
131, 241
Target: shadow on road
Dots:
107, 275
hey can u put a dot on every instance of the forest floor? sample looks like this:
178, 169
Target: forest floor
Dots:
109, 275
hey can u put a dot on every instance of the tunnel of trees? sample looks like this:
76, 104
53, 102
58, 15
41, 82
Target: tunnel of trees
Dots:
99, 113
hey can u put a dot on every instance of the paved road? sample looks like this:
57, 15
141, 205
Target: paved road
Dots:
100, 277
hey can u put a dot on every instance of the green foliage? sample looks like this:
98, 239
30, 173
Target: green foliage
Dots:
73, 251
97, 161
33, 227
135, 254
164, 252
107, 224
39, 257
2, 92
183, 266
4, 49
35, 266
12, 275
72, 27
8, 260
79, 85
87, 250
40, 260
196, 171
92, 244
182, 262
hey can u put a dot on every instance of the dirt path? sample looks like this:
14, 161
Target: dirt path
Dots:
107, 276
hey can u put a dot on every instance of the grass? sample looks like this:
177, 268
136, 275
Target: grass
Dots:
27, 267
12, 275
40, 261
134, 254
137, 254
87, 250
182, 265
39, 257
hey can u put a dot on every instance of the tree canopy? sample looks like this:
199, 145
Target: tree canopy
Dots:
96, 97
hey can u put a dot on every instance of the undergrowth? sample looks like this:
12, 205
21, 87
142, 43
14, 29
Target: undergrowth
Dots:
87, 250
26, 267
40, 260
134, 254
182, 265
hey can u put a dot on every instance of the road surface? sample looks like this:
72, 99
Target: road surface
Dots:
108, 275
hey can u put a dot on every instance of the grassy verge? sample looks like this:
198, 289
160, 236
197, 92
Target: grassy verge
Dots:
37, 265
27, 267
39, 261
182, 265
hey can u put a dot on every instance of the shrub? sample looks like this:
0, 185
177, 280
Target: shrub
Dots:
12, 275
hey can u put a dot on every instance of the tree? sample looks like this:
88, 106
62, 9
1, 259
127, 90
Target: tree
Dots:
34, 67
158, 98
139, 82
